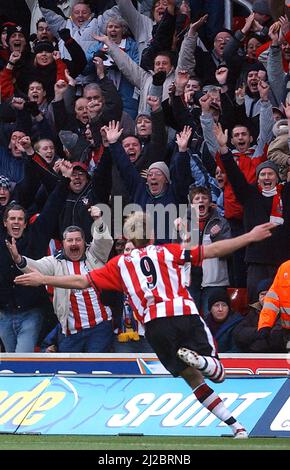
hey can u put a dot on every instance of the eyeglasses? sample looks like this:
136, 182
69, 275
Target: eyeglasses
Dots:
222, 40
155, 173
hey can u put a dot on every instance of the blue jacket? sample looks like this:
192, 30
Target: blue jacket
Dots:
223, 332
10, 166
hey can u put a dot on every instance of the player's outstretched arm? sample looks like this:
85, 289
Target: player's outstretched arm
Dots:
226, 247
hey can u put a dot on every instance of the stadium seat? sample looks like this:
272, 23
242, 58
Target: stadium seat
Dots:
239, 299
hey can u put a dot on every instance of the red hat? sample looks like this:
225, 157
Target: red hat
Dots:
81, 165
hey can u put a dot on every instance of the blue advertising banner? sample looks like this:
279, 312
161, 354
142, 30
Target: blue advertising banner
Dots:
141, 405
133, 364
276, 422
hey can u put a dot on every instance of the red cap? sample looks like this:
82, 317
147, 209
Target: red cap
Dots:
81, 165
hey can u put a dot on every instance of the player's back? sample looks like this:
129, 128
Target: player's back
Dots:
152, 276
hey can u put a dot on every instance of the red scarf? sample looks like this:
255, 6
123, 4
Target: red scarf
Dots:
276, 216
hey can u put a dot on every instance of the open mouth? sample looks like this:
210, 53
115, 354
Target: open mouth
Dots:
154, 187
15, 232
17, 45
254, 85
3, 200
267, 184
160, 14
75, 251
132, 156
241, 146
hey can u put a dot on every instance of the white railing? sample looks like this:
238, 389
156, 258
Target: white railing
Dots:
229, 10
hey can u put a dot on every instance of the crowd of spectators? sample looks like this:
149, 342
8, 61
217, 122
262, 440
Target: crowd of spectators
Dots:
109, 106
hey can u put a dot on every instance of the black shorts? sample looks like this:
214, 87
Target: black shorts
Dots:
166, 335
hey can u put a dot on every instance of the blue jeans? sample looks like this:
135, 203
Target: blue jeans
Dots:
97, 339
19, 331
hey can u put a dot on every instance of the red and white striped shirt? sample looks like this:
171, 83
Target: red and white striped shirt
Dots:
86, 308
151, 276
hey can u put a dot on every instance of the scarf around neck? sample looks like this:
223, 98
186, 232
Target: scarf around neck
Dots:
276, 216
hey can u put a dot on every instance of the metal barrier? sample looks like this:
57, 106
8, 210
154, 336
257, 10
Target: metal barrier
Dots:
229, 10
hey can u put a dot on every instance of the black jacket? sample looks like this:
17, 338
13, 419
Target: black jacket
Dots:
34, 244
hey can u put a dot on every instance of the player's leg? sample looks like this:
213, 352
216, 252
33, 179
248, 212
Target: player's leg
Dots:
211, 401
202, 357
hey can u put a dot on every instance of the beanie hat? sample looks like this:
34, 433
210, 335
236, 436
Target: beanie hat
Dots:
254, 66
267, 164
5, 182
41, 46
218, 296
162, 167
262, 7
14, 28
77, 146
280, 127
264, 285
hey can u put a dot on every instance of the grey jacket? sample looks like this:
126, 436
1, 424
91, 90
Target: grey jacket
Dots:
139, 77
215, 270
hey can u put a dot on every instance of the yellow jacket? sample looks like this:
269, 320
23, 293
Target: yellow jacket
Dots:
277, 300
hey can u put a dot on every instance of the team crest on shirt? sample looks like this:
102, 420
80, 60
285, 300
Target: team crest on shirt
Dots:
85, 201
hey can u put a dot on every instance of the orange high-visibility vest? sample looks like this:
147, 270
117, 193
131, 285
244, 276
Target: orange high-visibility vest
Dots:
277, 300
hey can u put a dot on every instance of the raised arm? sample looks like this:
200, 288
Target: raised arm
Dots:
186, 57
132, 71
140, 25
266, 119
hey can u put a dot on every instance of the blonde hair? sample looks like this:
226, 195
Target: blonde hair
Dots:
138, 229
